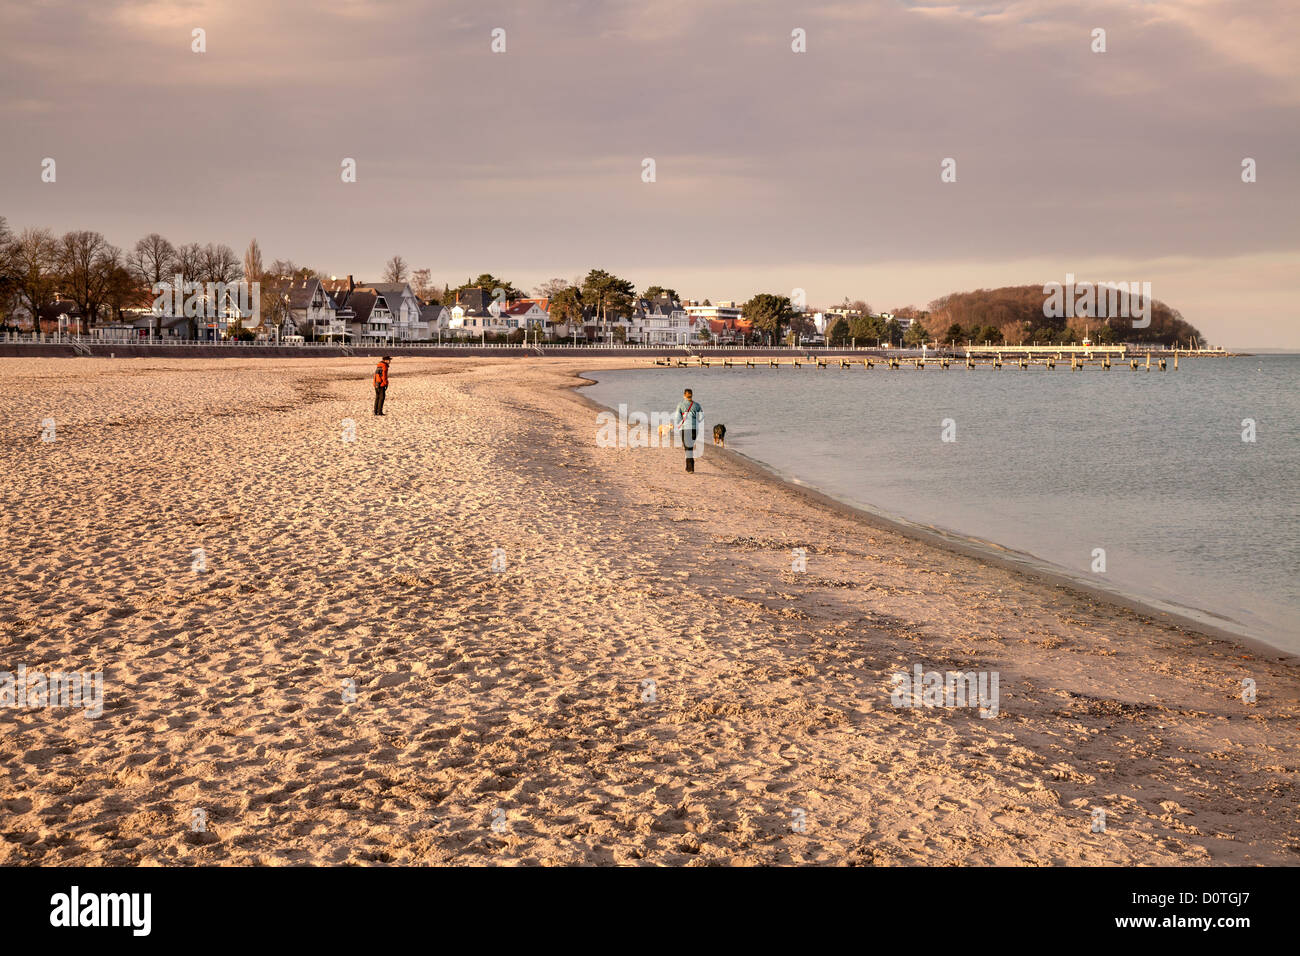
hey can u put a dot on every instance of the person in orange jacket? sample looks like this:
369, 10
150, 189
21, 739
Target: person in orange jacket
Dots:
381, 383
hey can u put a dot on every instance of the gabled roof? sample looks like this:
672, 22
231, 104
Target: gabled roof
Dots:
340, 290
362, 303
395, 289
301, 291
659, 306
475, 298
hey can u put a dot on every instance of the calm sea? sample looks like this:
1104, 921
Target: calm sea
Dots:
1151, 467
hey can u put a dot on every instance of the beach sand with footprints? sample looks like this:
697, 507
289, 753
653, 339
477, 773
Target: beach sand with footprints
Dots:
505, 716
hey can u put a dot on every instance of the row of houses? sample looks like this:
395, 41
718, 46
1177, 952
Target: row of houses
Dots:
344, 310
663, 320
382, 313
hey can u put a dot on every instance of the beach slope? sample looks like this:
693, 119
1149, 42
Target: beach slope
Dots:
463, 633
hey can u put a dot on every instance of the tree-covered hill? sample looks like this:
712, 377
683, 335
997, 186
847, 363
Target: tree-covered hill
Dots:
1015, 314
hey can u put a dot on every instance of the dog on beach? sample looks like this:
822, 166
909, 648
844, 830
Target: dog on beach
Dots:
720, 435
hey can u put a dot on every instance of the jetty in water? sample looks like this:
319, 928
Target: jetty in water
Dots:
1075, 357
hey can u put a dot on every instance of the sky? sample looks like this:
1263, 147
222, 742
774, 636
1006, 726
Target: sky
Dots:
774, 170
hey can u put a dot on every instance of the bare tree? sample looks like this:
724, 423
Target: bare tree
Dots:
189, 261
86, 264
8, 292
123, 291
288, 269
276, 309
214, 262
396, 270
153, 260
551, 288
33, 260
253, 262
218, 263
422, 285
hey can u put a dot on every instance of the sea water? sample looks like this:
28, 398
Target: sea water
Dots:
1179, 488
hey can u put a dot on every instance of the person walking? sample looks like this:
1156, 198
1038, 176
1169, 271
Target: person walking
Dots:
381, 383
688, 420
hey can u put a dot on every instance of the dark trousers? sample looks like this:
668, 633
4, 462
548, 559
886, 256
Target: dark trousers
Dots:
688, 442
379, 398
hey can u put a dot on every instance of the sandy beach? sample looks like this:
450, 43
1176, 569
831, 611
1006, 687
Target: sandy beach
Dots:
642, 679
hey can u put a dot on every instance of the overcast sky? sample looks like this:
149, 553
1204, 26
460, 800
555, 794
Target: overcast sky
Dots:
775, 170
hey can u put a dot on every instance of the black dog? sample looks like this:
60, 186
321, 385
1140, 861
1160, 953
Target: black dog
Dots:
720, 435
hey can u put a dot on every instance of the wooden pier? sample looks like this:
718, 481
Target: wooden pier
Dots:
1078, 360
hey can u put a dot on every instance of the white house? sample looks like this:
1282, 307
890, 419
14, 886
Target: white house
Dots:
435, 320
402, 307
722, 312
525, 314
476, 313
468, 322
663, 321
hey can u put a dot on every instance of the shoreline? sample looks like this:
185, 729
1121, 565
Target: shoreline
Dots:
990, 552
